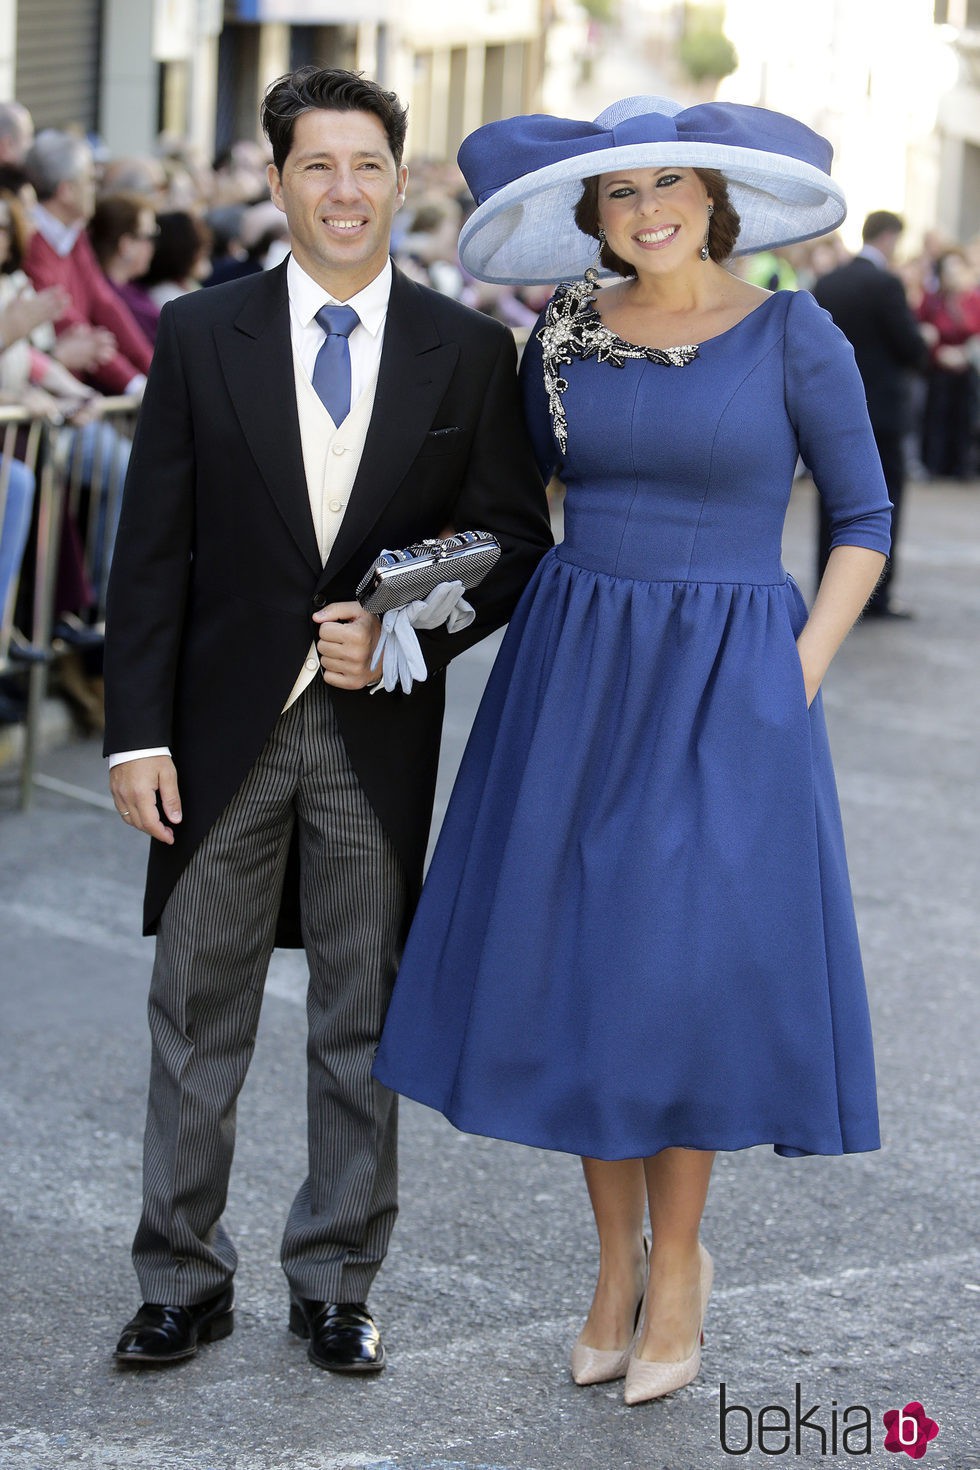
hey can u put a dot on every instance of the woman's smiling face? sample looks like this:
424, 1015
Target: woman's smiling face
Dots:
654, 218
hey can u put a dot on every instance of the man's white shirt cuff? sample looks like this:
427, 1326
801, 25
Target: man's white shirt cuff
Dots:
137, 755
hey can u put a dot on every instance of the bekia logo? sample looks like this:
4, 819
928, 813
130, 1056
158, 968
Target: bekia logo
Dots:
909, 1429
776, 1429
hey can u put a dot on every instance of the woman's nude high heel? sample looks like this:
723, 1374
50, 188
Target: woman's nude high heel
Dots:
603, 1365
652, 1380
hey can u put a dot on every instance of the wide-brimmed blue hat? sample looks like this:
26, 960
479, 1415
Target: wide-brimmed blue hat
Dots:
526, 174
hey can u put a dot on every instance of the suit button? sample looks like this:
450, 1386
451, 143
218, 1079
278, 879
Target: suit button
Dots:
319, 601
339, 449
312, 664
336, 505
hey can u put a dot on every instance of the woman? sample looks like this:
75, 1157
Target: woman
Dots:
949, 419
181, 259
636, 941
123, 231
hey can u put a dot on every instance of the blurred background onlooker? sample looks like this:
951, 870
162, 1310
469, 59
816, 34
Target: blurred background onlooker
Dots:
31, 376
124, 234
181, 257
428, 251
112, 350
867, 300
230, 257
16, 132
952, 309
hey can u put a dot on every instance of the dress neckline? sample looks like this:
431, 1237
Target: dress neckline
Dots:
593, 311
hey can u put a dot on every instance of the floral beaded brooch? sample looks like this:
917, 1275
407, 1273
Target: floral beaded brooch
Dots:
573, 328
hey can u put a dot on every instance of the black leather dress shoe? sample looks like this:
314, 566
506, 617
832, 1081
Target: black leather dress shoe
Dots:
342, 1335
166, 1334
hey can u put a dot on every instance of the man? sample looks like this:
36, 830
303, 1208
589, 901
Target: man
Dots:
867, 301
252, 509
62, 171
16, 133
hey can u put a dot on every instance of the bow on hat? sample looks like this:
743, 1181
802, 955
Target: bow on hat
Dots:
499, 153
526, 174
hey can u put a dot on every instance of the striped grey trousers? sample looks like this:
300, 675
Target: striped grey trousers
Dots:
214, 942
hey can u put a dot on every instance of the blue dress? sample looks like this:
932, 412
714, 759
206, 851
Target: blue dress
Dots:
637, 929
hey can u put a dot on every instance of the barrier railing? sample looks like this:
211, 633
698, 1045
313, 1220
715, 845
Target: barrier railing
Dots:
78, 473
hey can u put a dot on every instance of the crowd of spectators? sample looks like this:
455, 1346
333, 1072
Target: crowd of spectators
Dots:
942, 284
92, 247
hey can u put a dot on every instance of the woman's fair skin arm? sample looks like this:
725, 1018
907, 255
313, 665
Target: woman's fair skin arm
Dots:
850, 577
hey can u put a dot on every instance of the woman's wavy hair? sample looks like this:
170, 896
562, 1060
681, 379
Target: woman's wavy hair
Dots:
722, 230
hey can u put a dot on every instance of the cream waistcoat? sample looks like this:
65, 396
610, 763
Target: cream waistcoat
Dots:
331, 458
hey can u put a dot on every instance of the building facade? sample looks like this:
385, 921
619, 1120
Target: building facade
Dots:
127, 70
895, 86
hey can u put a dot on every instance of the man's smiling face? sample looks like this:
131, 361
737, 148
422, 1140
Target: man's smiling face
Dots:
339, 190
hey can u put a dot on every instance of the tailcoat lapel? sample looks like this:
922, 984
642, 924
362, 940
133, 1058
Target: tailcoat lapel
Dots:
257, 361
416, 366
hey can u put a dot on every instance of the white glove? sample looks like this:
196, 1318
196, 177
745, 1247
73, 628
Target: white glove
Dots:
398, 647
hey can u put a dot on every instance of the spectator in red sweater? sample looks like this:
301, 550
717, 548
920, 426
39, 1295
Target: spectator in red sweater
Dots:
62, 171
950, 418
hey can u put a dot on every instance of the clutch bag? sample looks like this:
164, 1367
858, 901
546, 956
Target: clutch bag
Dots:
397, 578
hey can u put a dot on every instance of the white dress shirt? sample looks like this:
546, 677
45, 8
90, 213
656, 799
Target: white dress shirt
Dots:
366, 340
331, 456
872, 253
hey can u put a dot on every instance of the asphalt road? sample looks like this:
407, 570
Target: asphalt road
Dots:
857, 1279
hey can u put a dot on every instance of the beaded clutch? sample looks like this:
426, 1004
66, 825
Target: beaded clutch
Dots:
397, 578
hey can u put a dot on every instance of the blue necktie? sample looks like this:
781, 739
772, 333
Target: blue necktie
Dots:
331, 371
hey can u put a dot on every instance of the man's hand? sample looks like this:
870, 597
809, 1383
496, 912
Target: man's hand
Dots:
134, 786
348, 637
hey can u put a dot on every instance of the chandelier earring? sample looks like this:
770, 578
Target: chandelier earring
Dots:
705, 249
592, 274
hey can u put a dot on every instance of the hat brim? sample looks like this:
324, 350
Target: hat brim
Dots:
525, 233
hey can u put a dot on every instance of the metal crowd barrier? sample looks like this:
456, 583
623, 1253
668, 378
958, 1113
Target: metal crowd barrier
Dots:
79, 474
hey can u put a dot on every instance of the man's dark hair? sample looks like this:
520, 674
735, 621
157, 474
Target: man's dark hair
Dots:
881, 222
333, 89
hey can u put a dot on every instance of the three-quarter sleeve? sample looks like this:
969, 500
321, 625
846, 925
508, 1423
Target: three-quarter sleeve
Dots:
537, 414
827, 406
